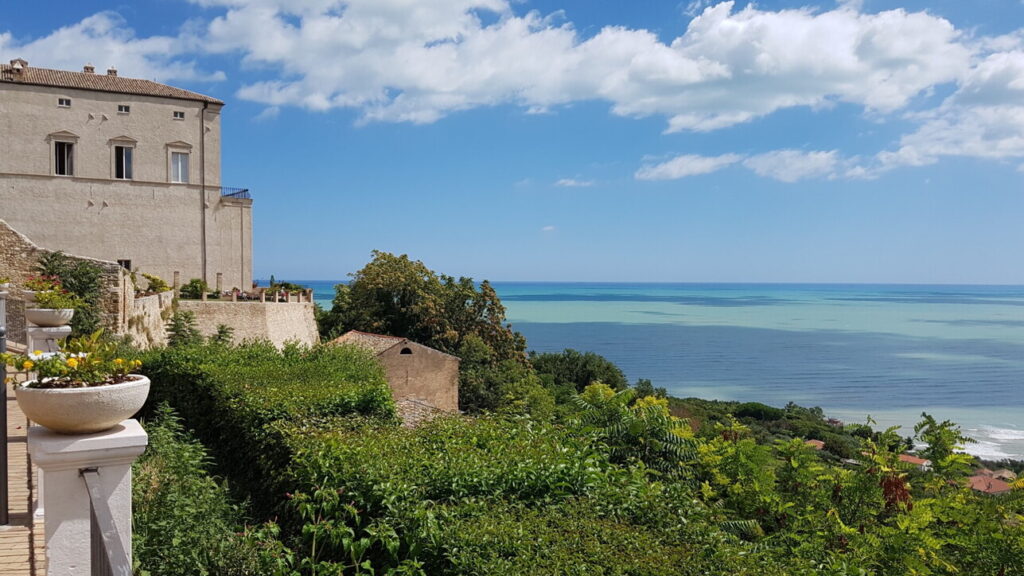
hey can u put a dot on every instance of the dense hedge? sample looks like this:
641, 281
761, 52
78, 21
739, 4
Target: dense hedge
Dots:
232, 397
171, 489
493, 496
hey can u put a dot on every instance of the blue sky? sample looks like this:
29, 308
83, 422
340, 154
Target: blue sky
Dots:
852, 141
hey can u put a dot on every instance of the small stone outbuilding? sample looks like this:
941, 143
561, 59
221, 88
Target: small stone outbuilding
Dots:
415, 372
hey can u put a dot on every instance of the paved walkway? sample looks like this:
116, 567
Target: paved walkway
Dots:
22, 539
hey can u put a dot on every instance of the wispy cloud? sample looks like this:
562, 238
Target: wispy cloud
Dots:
548, 228
794, 165
685, 165
574, 183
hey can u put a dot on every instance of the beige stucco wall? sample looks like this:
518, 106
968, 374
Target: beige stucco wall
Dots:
146, 321
425, 375
277, 322
29, 115
18, 259
154, 223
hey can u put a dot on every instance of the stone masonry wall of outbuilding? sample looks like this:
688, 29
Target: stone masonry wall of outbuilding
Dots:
422, 374
277, 322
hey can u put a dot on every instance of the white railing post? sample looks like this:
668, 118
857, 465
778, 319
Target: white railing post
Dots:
99, 463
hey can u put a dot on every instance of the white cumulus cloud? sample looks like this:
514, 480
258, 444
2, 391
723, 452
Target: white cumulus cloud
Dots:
394, 60
104, 39
685, 165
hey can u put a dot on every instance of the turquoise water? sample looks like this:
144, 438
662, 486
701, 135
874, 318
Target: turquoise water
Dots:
888, 351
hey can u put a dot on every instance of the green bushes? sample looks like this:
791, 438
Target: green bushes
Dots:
232, 397
489, 496
194, 290
183, 521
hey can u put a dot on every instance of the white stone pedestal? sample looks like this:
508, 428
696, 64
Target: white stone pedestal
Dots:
46, 339
69, 550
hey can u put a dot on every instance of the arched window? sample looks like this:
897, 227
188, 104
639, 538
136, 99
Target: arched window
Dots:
406, 351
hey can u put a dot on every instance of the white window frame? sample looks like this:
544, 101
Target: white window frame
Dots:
178, 147
125, 153
124, 109
174, 167
70, 161
122, 142
178, 115
63, 102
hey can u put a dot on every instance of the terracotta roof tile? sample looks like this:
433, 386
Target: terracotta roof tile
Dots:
988, 485
99, 82
914, 460
376, 343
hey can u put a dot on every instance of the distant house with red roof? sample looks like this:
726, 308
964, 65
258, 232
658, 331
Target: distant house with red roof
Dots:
922, 464
816, 444
988, 484
418, 375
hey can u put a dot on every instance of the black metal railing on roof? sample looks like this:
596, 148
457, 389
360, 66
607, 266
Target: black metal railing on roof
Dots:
226, 192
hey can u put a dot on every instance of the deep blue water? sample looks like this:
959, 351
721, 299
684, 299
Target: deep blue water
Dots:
891, 351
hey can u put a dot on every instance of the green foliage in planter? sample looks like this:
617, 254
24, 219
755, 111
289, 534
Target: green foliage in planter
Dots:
231, 397
156, 284
184, 521
81, 278
58, 300
194, 290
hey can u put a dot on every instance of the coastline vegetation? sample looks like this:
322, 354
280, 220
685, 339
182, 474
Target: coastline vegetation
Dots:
558, 466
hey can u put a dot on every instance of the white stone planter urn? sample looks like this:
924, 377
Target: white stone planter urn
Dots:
49, 317
83, 410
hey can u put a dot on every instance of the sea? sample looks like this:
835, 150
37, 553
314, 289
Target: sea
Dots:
888, 352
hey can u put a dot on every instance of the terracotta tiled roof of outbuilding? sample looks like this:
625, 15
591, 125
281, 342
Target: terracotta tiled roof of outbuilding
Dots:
99, 82
376, 343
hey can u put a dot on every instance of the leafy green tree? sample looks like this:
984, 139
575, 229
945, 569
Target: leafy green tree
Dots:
644, 387
195, 289
578, 369
397, 296
945, 447
225, 335
181, 329
643, 430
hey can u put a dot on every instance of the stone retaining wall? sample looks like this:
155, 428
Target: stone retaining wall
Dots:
277, 322
147, 321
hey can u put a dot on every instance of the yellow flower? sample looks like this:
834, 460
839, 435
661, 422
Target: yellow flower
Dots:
73, 362
118, 361
37, 353
27, 365
136, 363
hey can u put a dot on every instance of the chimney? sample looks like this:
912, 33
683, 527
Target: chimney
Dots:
89, 69
19, 65
111, 71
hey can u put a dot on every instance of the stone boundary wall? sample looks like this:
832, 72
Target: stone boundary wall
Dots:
18, 259
147, 321
277, 322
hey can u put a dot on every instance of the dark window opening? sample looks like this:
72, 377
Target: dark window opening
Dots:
126, 264
65, 156
406, 351
123, 162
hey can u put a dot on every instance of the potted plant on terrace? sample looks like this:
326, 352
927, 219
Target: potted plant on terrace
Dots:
5, 283
83, 388
37, 284
53, 308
